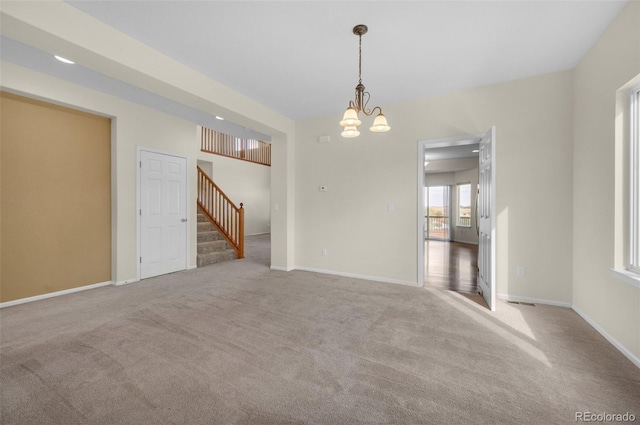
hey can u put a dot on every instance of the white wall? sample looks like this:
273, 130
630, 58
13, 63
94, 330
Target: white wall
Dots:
611, 304
245, 182
533, 117
439, 179
446, 165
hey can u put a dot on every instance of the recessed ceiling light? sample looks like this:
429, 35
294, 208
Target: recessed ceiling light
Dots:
65, 60
219, 118
475, 151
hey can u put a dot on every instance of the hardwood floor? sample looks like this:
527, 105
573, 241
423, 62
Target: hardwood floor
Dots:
451, 265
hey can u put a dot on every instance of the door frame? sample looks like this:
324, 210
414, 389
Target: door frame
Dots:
139, 150
441, 142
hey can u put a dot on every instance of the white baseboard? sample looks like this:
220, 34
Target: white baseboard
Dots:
358, 276
628, 354
126, 282
534, 300
54, 294
282, 269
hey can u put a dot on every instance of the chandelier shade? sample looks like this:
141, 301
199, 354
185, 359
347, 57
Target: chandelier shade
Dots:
350, 120
380, 124
350, 132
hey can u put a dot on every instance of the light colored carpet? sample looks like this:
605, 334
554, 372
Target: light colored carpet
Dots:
237, 343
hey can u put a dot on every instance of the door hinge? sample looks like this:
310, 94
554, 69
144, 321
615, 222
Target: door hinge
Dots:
140, 164
140, 260
140, 211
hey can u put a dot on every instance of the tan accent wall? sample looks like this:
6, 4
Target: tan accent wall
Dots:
55, 224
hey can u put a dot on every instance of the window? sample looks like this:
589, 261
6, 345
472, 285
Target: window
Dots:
436, 212
626, 256
464, 204
634, 184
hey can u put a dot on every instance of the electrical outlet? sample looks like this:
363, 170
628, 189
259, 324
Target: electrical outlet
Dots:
325, 252
520, 271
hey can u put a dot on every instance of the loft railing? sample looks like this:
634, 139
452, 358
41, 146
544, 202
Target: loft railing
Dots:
224, 214
436, 227
464, 221
250, 150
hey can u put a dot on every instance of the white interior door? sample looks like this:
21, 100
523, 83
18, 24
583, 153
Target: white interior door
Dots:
486, 220
163, 214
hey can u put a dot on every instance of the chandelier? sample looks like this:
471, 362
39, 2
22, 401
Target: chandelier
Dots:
350, 120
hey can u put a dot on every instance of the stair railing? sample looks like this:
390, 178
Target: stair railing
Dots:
221, 212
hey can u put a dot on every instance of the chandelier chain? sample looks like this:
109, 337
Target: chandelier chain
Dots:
360, 59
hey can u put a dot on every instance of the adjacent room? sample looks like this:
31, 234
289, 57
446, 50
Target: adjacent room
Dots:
451, 226
202, 222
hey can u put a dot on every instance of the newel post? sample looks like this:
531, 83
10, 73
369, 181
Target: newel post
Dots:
241, 231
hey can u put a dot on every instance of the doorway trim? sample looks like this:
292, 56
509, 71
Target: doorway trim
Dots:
441, 142
139, 150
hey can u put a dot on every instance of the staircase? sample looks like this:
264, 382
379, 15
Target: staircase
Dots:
221, 212
212, 246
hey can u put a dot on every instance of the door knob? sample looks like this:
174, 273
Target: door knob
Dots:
184, 220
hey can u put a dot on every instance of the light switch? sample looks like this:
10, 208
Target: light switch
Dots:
390, 206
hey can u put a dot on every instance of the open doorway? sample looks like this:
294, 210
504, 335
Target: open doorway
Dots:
451, 241
449, 220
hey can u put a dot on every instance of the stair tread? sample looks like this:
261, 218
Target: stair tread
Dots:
216, 242
218, 253
208, 258
212, 246
209, 236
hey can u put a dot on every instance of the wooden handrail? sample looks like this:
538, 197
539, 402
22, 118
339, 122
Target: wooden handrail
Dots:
221, 212
257, 151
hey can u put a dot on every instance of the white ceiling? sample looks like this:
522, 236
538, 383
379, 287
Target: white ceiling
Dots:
300, 57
